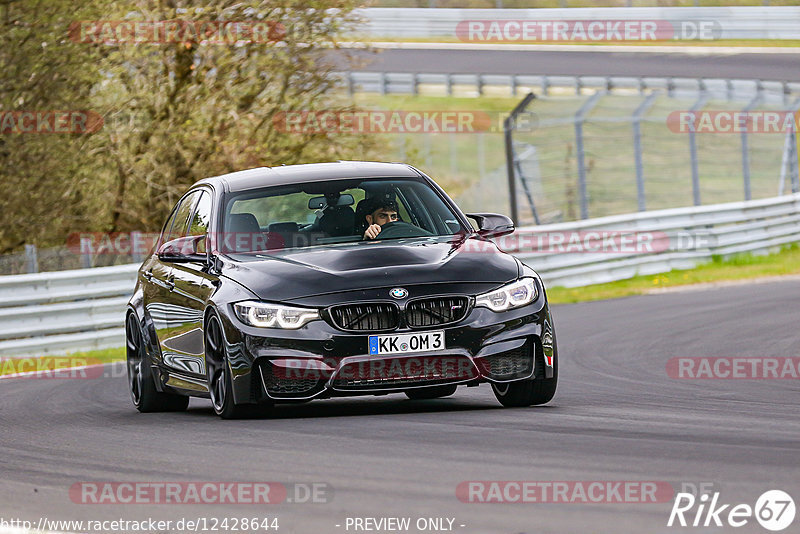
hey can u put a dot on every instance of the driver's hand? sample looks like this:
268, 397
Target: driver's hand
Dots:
372, 231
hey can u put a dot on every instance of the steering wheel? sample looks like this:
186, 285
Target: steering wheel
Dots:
396, 229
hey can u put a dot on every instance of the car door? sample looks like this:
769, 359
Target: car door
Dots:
192, 286
159, 300
157, 283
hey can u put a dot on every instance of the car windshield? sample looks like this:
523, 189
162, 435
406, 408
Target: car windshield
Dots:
333, 212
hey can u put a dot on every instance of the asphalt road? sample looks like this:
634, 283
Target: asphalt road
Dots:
617, 416
779, 67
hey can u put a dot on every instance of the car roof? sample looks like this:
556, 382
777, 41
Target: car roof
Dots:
309, 172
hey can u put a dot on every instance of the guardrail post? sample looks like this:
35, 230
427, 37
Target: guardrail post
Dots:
545, 85
513, 85
351, 89
384, 84
137, 254
415, 84
449, 83
580, 118
86, 252
793, 162
637, 148
31, 259
479, 84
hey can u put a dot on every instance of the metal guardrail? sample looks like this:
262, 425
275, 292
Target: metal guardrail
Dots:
64, 311
740, 22
67, 311
755, 226
771, 92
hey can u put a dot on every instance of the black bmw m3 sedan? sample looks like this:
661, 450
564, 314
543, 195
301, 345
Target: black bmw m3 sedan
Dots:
313, 281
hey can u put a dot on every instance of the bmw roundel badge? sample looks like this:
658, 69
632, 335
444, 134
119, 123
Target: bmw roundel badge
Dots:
398, 293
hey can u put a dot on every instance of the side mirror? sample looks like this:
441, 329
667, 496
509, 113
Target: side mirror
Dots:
183, 249
492, 224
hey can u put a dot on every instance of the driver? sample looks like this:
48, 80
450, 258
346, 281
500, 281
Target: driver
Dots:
380, 212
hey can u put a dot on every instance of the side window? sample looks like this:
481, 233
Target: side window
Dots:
201, 220
181, 223
168, 225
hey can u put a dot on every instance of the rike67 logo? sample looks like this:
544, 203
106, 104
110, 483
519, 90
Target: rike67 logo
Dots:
774, 510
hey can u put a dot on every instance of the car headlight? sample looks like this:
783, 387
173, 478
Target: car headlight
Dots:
509, 296
265, 315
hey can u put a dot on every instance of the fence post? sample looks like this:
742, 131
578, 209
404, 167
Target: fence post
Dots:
508, 129
580, 118
693, 152
745, 147
31, 259
637, 148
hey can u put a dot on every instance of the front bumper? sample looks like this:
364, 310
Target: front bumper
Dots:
320, 361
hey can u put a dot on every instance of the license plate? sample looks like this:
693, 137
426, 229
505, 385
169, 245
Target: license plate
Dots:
405, 343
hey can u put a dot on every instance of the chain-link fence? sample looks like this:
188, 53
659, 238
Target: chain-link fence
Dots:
589, 148
608, 154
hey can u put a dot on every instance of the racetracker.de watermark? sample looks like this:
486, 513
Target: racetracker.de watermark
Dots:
221, 32
564, 492
733, 121
387, 122
734, 368
400, 367
595, 241
59, 367
50, 122
598, 30
202, 492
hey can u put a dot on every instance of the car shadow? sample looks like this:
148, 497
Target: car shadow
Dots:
364, 406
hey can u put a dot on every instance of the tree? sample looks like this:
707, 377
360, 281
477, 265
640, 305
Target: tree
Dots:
177, 110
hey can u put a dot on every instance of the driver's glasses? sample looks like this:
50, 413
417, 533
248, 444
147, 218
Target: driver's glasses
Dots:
382, 217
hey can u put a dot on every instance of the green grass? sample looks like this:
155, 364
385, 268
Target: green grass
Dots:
739, 267
75, 359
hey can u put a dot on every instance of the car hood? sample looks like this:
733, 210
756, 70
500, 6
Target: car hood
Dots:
286, 275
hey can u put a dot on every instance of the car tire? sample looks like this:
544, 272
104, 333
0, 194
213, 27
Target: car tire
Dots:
528, 392
220, 382
434, 392
141, 382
